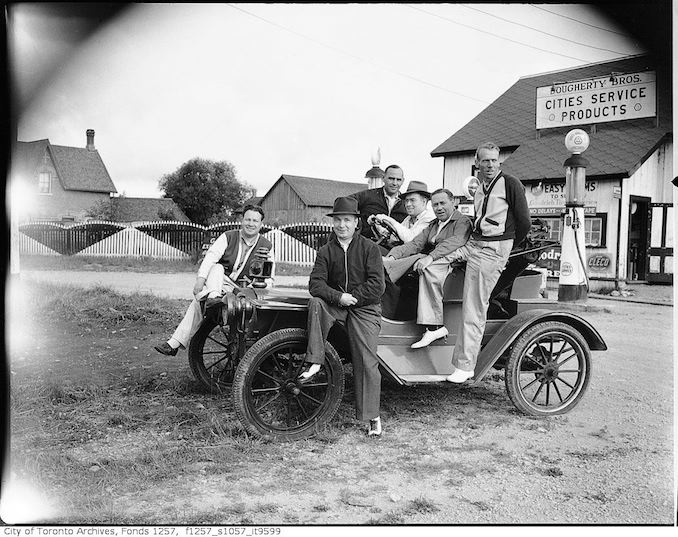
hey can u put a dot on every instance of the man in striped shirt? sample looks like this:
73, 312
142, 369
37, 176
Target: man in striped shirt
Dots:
502, 219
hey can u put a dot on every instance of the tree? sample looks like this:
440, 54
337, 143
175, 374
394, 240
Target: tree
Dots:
104, 210
203, 188
166, 213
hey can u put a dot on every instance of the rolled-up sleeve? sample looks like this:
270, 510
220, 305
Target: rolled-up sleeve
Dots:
213, 255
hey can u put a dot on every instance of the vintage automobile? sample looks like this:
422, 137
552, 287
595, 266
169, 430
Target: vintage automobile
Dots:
253, 346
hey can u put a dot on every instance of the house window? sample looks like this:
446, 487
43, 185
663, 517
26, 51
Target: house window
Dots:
594, 229
45, 183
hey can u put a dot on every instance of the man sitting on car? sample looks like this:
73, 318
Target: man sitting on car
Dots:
419, 216
427, 254
346, 285
227, 259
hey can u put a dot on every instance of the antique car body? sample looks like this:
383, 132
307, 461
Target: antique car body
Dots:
254, 345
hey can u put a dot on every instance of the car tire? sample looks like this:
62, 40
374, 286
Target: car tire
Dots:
548, 370
210, 355
269, 398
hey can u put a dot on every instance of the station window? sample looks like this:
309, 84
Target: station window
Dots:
594, 229
45, 183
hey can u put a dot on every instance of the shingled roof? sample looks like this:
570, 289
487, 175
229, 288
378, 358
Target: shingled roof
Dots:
147, 209
27, 157
616, 148
77, 168
315, 192
81, 169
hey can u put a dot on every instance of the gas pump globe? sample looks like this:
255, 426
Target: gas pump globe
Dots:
573, 281
576, 142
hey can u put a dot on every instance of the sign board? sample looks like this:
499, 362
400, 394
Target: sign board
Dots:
543, 194
598, 262
616, 192
550, 260
557, 211
615, 97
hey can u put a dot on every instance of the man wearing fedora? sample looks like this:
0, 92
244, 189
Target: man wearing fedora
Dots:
419, 213
428, 253
394, 304
382, 200
346, 285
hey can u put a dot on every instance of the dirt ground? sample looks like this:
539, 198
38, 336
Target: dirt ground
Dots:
449, 455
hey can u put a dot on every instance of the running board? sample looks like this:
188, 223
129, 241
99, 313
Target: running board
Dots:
423, 379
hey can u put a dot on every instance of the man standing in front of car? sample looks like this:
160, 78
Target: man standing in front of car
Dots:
502, 219
346, 285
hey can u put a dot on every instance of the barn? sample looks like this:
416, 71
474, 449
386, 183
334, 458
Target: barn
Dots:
294, 198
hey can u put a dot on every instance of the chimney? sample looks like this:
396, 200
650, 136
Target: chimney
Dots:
90, 140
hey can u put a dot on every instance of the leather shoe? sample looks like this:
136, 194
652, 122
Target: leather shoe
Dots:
429, 337
459, 376
375, 427
164, 348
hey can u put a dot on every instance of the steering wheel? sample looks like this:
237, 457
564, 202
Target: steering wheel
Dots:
390, 240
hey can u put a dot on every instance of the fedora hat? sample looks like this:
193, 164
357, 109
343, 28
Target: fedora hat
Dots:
416, 187
345, 206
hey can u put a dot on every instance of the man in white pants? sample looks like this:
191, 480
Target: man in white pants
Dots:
229, 257
502, 219
428, 254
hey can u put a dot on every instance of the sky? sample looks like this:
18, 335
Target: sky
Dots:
276, 89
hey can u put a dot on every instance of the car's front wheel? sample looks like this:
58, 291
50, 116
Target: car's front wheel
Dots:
270, 398
211, 355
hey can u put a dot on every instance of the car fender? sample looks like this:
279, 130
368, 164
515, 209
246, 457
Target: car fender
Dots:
515, 326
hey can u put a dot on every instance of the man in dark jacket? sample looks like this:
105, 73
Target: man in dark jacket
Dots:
383, 200
346, 285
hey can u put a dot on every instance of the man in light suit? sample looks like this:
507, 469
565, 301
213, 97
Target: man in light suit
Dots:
428, 254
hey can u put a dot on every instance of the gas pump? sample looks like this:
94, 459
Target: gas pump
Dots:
573, 282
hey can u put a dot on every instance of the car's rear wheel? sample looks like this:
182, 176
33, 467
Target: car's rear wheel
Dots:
548, 370
211, 356
272, 401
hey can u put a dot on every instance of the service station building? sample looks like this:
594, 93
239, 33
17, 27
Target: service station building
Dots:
625, 106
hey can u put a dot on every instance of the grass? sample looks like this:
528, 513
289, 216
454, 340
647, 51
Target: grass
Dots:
132, 264
131, 437
102, 306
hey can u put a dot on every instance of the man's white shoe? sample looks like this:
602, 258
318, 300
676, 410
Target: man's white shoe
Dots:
459, 376
429, 337
311, 371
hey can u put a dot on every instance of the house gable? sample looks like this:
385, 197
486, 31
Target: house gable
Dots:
81, 169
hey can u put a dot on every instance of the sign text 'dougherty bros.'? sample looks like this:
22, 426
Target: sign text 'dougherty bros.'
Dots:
614, 97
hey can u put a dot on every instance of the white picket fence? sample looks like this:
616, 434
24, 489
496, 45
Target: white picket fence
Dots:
130, 242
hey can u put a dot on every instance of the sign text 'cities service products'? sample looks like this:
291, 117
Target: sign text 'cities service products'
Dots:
614, 97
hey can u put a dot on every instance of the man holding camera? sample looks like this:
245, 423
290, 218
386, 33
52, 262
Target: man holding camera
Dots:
227, 260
